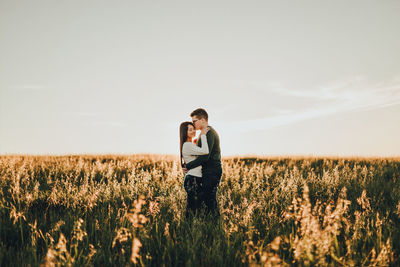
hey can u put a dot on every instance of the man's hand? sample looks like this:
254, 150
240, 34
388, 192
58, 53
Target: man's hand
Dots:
204, 131
185, 170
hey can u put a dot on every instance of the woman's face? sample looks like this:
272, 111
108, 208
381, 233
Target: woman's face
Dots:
191, 131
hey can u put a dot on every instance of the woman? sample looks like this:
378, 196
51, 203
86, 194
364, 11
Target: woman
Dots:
190, 151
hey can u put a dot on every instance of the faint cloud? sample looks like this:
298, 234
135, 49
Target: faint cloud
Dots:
359, 93
110, 124
98, 118
355, 94
29, 88
80, 114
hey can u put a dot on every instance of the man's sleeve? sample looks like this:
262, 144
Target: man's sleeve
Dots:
203, 158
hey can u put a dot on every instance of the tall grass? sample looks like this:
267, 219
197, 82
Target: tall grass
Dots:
129, 210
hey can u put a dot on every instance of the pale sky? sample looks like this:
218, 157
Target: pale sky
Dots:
276, 77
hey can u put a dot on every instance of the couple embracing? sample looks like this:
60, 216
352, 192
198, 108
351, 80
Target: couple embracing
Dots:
201, 162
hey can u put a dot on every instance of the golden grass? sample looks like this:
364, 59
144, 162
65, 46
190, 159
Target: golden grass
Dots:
129, 209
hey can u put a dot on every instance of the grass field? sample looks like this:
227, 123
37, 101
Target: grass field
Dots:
129, 210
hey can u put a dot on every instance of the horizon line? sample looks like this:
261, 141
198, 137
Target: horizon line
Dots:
330, 156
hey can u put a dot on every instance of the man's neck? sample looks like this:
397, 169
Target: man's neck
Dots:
205, 127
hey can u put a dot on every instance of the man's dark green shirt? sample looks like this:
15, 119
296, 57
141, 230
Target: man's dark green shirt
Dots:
211, 161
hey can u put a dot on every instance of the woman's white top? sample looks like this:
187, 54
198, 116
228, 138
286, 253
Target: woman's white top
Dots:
190, 151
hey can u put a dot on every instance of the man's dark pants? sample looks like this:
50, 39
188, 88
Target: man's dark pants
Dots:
203, 191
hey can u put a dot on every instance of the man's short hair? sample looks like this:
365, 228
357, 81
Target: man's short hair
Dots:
200, 113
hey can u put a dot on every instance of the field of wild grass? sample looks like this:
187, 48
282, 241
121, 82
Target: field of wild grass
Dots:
129, 210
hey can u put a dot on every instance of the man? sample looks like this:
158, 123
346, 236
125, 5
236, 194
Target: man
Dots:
211, 163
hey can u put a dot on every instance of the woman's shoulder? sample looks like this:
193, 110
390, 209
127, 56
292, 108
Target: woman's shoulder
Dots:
188, 144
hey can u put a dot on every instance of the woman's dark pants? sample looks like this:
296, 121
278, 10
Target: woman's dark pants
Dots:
200, 191
192, 189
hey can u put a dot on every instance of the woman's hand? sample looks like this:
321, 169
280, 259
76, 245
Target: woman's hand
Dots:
204, 131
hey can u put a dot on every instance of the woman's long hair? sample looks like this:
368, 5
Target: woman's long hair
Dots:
183, 129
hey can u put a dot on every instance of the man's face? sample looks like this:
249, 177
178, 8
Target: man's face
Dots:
198, 123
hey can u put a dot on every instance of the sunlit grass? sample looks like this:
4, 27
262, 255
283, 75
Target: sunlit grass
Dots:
115, 210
